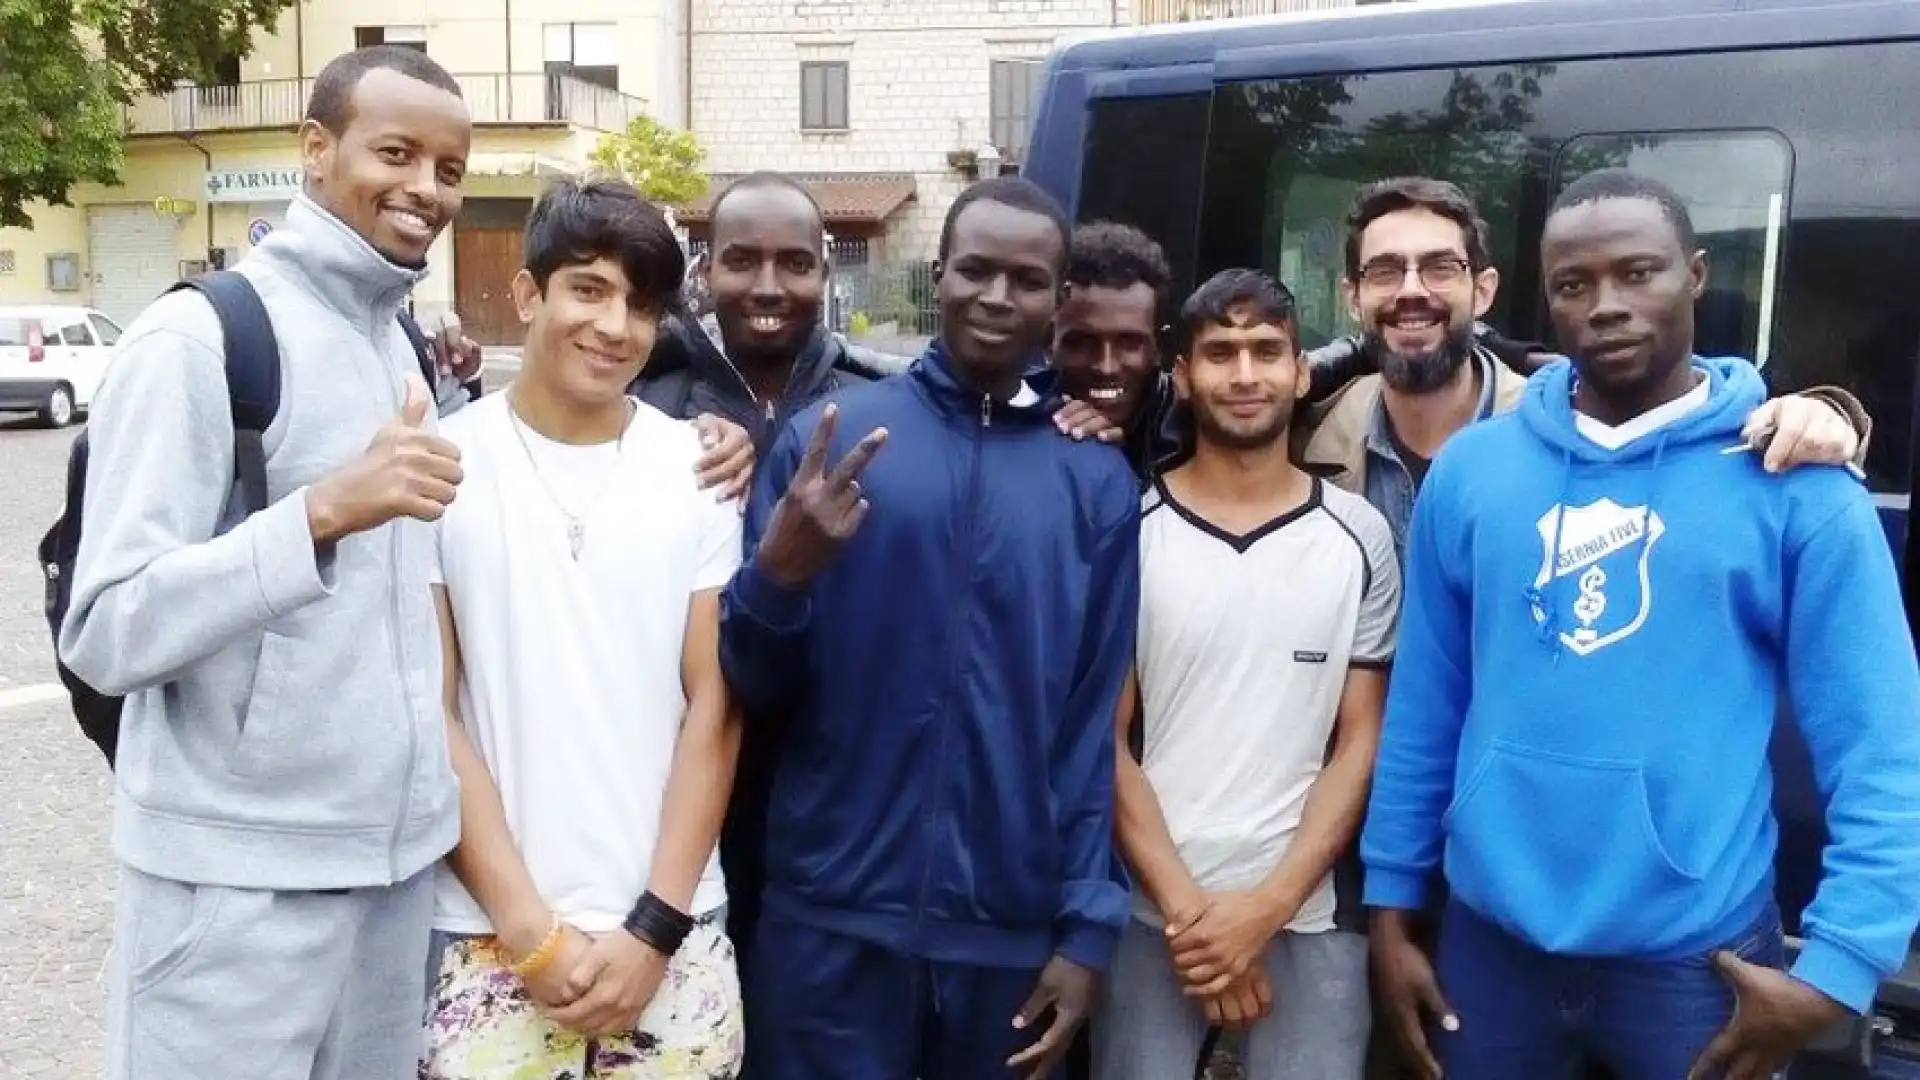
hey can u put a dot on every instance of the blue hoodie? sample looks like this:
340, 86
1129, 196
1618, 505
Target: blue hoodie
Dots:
944, 785
1588, 747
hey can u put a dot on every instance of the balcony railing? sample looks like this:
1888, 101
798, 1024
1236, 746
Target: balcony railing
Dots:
531, 98
1146, 12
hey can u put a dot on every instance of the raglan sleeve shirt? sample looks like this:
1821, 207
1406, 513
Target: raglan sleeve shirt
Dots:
159, 477
1094, 902
1427, 699
1376, 631
764, 626
1855, 688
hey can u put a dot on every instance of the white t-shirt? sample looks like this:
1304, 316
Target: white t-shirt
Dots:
1243, 653
570, 682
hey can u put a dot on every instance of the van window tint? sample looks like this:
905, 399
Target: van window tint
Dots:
1827, 292
1142, 168
1735, 186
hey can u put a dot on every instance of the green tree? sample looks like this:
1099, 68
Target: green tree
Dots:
70, 65
662, 162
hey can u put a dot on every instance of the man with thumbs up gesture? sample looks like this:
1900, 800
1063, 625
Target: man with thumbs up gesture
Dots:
406, 471
284, 787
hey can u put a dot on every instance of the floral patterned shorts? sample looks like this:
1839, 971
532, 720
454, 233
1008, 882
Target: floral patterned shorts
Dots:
483, 1026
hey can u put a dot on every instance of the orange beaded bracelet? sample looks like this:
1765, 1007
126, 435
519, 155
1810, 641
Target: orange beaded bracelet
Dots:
542, 955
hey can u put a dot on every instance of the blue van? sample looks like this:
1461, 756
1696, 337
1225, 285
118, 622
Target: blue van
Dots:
1787, 125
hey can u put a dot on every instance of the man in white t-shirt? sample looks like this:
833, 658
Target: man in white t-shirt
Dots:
579, 924
1267, 609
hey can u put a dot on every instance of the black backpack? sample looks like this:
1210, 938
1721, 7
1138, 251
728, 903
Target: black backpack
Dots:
253, 388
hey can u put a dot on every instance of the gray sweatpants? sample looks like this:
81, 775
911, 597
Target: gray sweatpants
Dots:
1148, 1030
213, 983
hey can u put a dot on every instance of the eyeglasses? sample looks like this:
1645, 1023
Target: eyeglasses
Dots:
1442, 272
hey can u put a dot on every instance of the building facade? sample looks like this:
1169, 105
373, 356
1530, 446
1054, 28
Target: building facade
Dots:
885, 108
209, 170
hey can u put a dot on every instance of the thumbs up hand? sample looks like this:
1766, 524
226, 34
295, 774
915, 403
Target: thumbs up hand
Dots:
413, 410
406, 471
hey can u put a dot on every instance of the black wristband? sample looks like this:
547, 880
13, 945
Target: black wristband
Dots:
658, 924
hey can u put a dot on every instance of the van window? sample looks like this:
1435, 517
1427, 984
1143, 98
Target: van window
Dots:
1795, 163
75, 334
1142, 168
1735, 186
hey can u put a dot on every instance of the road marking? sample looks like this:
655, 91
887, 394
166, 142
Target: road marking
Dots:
37, 694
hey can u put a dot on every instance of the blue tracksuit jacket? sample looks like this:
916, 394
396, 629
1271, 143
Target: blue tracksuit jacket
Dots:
945, 783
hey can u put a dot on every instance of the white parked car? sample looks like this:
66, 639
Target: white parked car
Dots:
52, 360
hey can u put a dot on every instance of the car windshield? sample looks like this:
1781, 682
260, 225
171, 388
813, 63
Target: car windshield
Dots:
15, 331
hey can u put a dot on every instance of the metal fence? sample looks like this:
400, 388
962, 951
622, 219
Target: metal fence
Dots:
888, 299
1167, 11
492, 98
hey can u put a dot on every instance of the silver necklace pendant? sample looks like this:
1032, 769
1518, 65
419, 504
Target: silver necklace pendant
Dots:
576, 536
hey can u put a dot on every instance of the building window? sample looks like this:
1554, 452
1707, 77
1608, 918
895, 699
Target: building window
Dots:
63, 272
589, 52
408, 37
1015, 90
823, 96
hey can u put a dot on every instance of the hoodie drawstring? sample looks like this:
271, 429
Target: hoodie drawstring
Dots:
1546, 606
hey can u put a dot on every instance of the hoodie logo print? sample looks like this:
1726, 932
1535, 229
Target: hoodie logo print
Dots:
1596, 588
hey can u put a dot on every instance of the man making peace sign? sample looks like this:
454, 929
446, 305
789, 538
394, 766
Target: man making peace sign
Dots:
943, 623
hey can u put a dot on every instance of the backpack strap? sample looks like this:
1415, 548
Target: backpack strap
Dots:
253, 373
423, 351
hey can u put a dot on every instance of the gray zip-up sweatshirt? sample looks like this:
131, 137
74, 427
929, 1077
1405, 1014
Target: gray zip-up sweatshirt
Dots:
283, 726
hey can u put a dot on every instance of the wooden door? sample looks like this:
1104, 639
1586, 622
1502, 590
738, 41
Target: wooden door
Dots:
484, 262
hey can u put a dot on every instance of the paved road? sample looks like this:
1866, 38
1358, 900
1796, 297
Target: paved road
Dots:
56, 882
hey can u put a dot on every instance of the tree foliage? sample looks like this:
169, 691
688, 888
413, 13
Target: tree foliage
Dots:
69, 66
662, 162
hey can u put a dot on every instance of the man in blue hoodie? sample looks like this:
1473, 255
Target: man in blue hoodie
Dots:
1606, 593
946, 623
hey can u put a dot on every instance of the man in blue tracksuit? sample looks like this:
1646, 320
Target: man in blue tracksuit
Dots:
1606, 597
946, 622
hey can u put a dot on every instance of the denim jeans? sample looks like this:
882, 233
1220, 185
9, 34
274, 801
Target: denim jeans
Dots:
1529, 1015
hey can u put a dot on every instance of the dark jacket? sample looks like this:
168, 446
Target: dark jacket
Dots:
687, 376
946, 789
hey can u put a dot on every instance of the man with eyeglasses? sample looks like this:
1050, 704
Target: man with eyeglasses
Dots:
1418, 276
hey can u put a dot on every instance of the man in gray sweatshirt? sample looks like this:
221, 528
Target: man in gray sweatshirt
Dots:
283, 779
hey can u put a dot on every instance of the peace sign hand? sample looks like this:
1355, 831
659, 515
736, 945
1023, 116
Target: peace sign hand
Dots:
820, 510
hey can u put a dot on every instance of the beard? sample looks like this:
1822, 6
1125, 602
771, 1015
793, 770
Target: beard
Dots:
1425, 372
1228, 434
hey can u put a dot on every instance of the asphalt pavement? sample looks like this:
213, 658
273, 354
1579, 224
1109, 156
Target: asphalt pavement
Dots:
56, 869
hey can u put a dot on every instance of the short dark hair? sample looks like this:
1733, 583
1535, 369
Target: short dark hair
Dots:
578, 221
1015, 191
1214, 301
331, 103
1108, 255
1622, 184
1399, 193
765, 180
